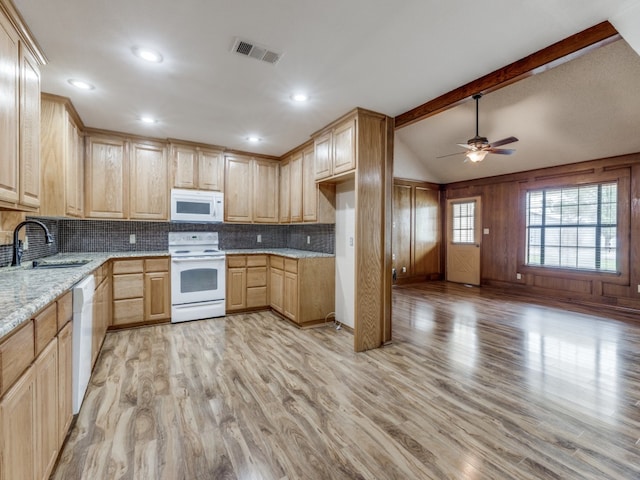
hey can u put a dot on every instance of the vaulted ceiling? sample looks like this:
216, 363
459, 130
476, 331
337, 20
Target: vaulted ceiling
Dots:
383, 55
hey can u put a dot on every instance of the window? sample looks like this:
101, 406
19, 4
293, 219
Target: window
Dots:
464, 222
573, 227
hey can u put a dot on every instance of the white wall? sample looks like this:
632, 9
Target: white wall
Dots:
406, 164
345, 252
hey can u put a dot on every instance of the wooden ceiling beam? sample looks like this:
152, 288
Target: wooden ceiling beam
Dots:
538, 62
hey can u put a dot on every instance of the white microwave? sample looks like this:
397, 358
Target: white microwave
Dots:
197, 206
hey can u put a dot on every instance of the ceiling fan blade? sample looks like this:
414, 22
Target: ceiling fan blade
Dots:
504, 141
464, 145
501, 151
451, 154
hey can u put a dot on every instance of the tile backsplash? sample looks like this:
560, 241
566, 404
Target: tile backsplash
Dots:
114, 236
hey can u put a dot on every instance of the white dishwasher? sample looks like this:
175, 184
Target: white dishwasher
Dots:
82, 333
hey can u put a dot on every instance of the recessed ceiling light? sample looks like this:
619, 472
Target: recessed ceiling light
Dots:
81, 84
300, 97
148, 119
253, 139
147, 54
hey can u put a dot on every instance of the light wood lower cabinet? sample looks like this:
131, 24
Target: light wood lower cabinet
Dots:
246, 282
101, 309
141, 291
301, 289
18, 428
65, 379
47, 438
35, 408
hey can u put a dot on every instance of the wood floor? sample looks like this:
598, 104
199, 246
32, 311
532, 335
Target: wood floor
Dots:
476, 385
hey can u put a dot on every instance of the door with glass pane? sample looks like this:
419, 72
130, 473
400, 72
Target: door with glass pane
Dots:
463, 240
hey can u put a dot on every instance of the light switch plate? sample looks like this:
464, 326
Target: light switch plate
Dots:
259, 240
485, 231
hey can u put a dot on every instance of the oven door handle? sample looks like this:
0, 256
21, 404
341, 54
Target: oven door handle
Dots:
196, 259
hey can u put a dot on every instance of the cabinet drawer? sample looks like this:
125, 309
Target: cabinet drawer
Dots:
256, 277
277, 262
128, 286
257, 297
127, 266
291, 265
156, 265
46, 327
128, 311
65, 310
235, 261
256, 260
16, 354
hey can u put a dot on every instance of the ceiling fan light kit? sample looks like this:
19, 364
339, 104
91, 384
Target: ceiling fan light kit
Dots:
479, 147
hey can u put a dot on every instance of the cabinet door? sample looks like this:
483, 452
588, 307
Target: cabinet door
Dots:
65, 378
210, 170
184, 166
309, 187
290, 306
295, 172
105, 178
322, 161
276, 286
285, 191
47, 436
238, 190
18, 429
9, 120
29, 130
236, 288
149, 172
344, 147
265, 193
157, 296
74, 171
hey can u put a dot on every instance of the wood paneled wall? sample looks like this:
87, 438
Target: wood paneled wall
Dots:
416, 231
504, 215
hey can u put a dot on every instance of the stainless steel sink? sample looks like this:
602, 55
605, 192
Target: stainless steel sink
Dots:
59, 263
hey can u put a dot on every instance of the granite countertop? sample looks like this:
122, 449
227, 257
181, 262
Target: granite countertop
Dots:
25, 290
283, 252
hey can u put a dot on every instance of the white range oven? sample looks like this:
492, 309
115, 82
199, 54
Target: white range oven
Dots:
198, 271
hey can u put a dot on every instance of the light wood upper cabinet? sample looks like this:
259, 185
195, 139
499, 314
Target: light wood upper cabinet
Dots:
336, 150
61, 159
74, 172
295, 191
29, 130
106, 174
251, 190
238, 189
9, 107
126, 179
285, 191
197, 167
149, 191
19, 120
323, 156
265, 194
210, 170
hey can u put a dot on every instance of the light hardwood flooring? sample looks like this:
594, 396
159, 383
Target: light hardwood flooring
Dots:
476, 385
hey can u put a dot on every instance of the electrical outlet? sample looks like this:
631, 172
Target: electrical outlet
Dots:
259, 239
308, 239
132, 238
518, 276
638, 288
351, 241
404, 269
25, 244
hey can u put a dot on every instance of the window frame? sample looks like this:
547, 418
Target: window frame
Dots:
622, 176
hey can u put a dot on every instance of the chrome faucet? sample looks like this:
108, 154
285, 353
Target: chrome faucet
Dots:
17, 244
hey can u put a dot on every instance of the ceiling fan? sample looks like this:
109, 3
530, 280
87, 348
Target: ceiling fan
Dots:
478, 147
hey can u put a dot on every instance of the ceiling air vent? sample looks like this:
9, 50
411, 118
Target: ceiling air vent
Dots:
253, 50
